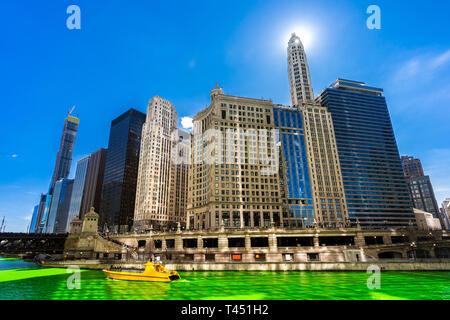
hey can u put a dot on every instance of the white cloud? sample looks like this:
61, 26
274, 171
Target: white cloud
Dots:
441, 59
421, 68
14, 155
27, 218
186, 122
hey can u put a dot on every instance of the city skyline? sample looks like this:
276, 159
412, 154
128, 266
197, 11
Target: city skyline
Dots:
192, 97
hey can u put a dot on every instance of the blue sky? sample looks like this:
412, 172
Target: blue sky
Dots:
128, 51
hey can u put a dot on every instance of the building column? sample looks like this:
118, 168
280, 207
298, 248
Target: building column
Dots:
272, 242
387, 239
163, 244
199, 242
241, 216
178, 243
359, 239
124, 254
316, 240
223, 242
432, 253
248, 243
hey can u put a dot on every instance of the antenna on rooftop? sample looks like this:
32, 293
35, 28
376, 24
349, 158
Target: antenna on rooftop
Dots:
71, 110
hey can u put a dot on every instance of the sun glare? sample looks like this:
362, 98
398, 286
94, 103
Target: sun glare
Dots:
306, 35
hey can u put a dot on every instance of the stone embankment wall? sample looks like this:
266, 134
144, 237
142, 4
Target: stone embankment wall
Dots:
292, 266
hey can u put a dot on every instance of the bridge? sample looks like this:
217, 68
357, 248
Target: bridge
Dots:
32, 243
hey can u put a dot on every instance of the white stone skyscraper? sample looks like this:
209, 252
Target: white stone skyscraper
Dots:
156, 182
298, 70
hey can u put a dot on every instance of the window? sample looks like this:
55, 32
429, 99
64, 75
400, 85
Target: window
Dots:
236, 242
158, 244
210, 257
259, 242
313, 256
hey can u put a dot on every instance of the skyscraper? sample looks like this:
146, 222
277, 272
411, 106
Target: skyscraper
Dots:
375, 188
162, 180
78, 188
62, 217
152, 207
412, 167
295, 168
445, 214
330, 208
92, 191
59, 208
61, 170
41, 208
179, 176
420, 188
121, 170
33, 219
234, 169
64, 155
298, 70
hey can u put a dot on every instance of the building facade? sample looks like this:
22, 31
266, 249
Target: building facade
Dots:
325, 169
64, 155
412, 167
445, 214
375, 188
121, 170
234, 168
92, 191
61, 170
34, 217
78, 189
298, 70
422, 194
419, 185
155, 181
59, 209
295, 186
179, 177
426, 221
330, 208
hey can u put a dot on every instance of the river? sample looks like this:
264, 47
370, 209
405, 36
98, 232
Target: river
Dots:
26, 280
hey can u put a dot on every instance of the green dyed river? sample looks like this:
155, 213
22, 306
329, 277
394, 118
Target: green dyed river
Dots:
26, 280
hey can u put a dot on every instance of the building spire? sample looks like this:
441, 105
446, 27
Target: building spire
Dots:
298, 70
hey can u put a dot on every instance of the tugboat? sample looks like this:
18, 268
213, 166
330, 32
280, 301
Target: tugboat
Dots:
152, 272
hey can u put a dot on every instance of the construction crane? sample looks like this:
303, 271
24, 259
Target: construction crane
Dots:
71, 110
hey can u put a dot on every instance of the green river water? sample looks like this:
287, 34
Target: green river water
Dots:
26, 280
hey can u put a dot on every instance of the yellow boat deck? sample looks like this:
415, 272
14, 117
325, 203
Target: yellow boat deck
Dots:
152, 272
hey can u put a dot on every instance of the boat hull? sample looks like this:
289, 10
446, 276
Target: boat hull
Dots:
140, 276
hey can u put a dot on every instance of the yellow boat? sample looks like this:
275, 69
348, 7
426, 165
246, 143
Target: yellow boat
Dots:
152, 272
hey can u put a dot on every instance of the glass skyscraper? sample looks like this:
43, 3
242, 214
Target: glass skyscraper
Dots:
78, 188
34, 219
61, 170
60, 206
375, 188
121, 171
294, 164
64, 155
